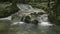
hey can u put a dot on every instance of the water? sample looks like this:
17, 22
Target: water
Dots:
20, 27
6, 18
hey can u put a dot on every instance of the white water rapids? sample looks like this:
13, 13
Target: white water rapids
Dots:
28, 9
19, 26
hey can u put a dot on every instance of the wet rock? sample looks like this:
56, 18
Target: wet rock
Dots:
54, 19
35, 22
41, 13
27, 19
22, 19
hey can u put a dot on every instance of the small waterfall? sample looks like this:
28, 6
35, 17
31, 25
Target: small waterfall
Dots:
6, 18
27, 10
35, 15
44, 20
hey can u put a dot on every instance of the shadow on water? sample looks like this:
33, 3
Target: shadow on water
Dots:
33, 29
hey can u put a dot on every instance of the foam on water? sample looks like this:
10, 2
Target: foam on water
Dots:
6, 18
14, 23
45, 24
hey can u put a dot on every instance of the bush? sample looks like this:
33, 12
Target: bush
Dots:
7, 11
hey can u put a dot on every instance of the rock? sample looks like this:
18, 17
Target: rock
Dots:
35, 22
41, 13
27, 19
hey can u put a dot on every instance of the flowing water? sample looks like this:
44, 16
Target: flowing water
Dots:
18, 26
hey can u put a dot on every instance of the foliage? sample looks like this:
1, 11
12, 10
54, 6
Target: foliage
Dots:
54, 16
8, 10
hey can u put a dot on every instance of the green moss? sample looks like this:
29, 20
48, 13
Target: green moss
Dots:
39, 5
27, 19
8, 10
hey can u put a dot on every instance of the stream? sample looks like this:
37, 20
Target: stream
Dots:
20, 26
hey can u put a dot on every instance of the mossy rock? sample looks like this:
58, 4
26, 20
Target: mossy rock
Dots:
41, 13
27, 19
7, 9
54, 19
35, 22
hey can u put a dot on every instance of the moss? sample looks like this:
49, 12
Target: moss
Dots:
27, 19
58, 17
39, 5
8, 10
